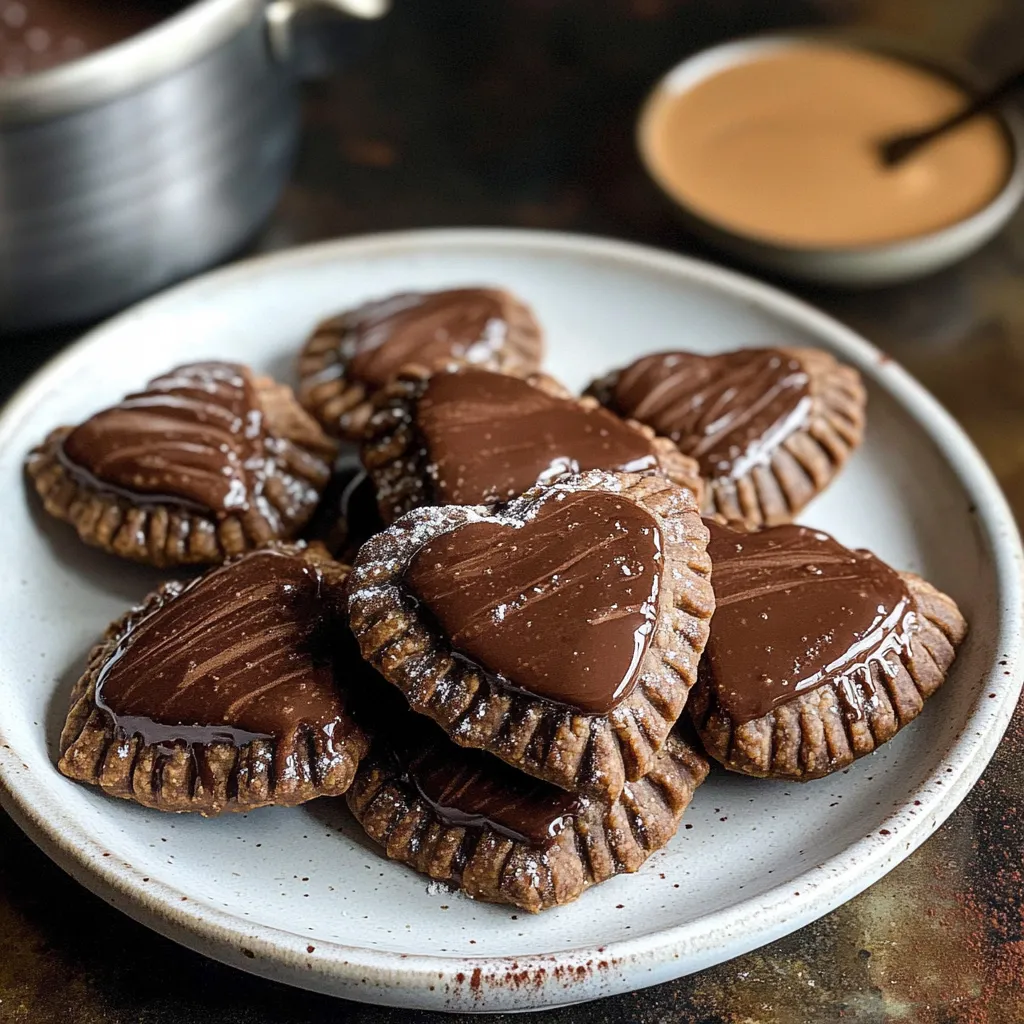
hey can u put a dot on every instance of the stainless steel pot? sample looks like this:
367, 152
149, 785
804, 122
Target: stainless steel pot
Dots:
143, 163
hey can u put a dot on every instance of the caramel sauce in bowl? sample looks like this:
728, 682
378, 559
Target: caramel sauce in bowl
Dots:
768, 146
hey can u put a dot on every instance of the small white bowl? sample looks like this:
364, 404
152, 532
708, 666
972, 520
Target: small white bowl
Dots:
853, 266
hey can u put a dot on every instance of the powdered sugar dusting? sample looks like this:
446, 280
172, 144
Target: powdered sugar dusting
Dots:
435, 888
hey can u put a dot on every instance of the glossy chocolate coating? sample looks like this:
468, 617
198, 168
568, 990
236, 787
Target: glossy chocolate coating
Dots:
348, 514
562, 606
360, 510
425, 328
729, 411
472, 789
194, 438
796, 610
40, 34
242, 653
489, 437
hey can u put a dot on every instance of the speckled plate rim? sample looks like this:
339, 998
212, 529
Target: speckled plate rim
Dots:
566, 976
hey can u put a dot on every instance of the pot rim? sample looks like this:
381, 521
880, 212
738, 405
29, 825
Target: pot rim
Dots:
117, 70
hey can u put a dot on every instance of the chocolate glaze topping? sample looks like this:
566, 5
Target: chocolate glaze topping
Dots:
471, 789
194, 438
424, 328
795, 610
489, 437
347, 515
359, 509
240, 654
562, 606
729, 412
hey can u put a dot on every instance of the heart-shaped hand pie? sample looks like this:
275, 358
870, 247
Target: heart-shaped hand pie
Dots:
221, 694
561, 633
206, 462
424, 327
768, 427
561, 605
463, 817
469, 436
352, 356
817, 653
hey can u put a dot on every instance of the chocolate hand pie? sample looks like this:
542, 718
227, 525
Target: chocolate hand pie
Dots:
817, 654
221, 694
474, 437
352, 356
561, 633
464, 817
769, 428
208, 461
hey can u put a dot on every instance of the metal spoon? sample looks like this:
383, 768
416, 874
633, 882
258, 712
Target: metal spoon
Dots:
895, 149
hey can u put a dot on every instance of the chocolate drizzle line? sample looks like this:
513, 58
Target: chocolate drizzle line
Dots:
243, 653
426, 328
794, 611
194, 440
561, 606
730, 412
490, 437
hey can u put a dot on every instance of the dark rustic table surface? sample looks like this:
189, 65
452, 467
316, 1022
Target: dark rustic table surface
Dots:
520, 113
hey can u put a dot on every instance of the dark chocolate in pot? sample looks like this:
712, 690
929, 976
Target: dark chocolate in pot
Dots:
796, 610
562, 606
489, 437
40, 34
729, 411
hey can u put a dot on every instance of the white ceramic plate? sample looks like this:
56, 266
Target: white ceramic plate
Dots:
299, 895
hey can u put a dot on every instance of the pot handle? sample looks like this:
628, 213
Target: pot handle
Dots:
281, 15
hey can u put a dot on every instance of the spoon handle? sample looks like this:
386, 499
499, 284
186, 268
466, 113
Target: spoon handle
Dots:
984, 101
896, 149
